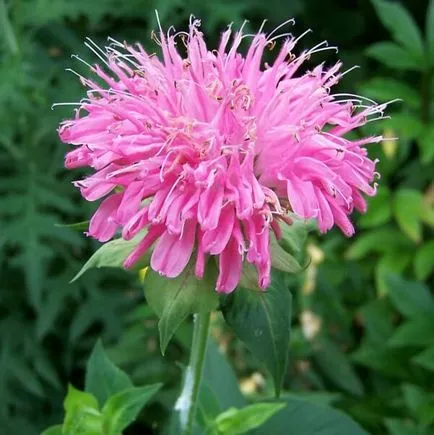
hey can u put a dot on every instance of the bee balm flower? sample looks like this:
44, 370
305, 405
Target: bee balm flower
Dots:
209, 150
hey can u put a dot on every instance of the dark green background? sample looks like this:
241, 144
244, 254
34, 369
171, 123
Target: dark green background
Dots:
48, 326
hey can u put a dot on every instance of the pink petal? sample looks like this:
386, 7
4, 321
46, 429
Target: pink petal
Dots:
230, 265
172, 252
103, 225
214, 241
154, 232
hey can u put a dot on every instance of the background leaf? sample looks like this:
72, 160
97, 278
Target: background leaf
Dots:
262, 321
103, 378
122, 408
238, 421
401, 25
303, 418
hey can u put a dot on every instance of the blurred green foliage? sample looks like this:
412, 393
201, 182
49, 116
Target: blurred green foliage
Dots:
363, 310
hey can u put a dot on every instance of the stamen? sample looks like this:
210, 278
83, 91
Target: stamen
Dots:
349, 70
96, 50
290, 21
75, 56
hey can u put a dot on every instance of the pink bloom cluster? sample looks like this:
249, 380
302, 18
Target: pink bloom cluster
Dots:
209, 151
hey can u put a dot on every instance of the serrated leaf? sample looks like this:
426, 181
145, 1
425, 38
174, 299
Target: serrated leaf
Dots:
103, 378
402, 27
425, 358
122, 408
424, 261
328, 356
82, 414
300, 417
262, 320
409, 297
239, 421
111, 254
173, 300
407, 206
393, 56
414, 332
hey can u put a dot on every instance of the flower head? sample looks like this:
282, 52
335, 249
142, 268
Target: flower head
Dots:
209, 150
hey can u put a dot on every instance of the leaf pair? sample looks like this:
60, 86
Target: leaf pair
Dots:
409, 51
109, 404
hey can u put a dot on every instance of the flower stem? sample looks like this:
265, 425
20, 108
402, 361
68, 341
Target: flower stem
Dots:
195, 367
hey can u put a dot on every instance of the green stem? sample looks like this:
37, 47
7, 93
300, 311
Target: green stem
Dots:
193, 376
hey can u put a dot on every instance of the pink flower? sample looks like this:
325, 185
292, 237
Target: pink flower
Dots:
209, 150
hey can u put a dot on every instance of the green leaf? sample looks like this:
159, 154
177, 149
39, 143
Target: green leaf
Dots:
390, 362
415, 398
405, 125
303, 418
328, 356
79, 226
249, 277
400, 427
393, 56
262, 320
8, 30
425, 358
425, 142
317, 398
294, 236
407, 206
282, 260
103, 378
173, 300
424, 261
121, 409
379, 209
391, 262
208, 407
409, 297
53, 430
402, 27
111, 254
378, 320
381, 240
82, 414
417, 331
430, 31
220, 377
238, 421
387, 88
